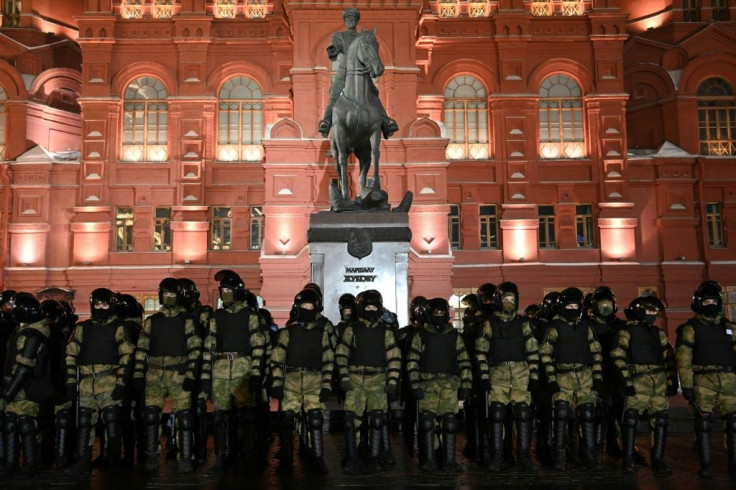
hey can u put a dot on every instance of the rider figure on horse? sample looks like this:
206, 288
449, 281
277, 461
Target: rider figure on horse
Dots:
339, 45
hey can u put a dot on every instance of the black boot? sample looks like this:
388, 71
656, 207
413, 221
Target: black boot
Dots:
27, 429
151, 417
185, 422
376, 422
387, 457
248, 440
408, 430
731, 442
524, 437
12, 449
286, 439
508, 437
111, 416
82, 467
425, 439
303, 438
561, 415
629, 428
496, 416
587, 423
659, 437
449, 430
350, 462
471, 430
702, 438
128, 435
218, 436
200, 430
315, 419
64, 427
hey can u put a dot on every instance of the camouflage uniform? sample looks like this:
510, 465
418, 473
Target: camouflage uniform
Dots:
101, 351
507, 356
440, 371
232, 363
645, 362
571, 357
165, 364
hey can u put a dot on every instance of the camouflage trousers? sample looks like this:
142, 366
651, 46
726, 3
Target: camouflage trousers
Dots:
368, 392
301, 389
715, 389
96, 394
651, 393
510, 383
23, 408
440, 394
575, 387
161, 383
230, 384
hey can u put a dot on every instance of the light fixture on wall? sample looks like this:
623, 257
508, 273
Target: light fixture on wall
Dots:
428, 240
187, 261
283, 242
522, 259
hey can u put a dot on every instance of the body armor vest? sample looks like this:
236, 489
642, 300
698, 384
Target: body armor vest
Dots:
369, 346
98, 344
507, 340
305, 348
440, 353
712, 345
645, 346
168, 338
572, 346
232, 331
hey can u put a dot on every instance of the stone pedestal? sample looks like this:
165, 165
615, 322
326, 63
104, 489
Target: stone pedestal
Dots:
357, 251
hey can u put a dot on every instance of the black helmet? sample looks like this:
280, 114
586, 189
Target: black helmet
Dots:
569, 297
306, 296
637, 309
266, 315
188, 291
70, 315
5, 305
506, 289
708, 290
487, 293
126, 306
368, 298
531, 310
26, 308
53, 311
548, 306
603, 302
415, 308
251, 300
232, 281
102, 296
347, 302
437, 312
169, 285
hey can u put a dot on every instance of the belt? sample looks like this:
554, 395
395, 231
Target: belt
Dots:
157, 365
506, 363
721, 370
230, 355
99, 374
648, 372
571, 370
367, 370
289, 369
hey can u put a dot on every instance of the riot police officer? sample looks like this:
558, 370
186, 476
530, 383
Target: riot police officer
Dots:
645, 361
440, 374
403, 340
475, 405
100, 349
508, 362
165, 366
369, 363
542, 398
706, 362
301, 366
571, 357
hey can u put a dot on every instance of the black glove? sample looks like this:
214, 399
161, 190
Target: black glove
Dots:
139, 384
254, 384
324, 394
277, 392
671, 390
533, 385
346, 385
629, 390
71, 390
418, 393
392, 393
553, 387
189, 385
689, 394
205, 386
485, 384
597, 385
118, 393
463, 393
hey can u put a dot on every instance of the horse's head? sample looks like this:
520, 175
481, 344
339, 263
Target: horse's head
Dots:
367, 52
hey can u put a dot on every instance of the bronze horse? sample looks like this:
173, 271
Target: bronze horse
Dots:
356, 115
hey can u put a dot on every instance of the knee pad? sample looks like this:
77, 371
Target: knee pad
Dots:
449, 423
85, 417
586, 412
111, 414
185, 419
287, 419
315, 419
631, 418
64, 419
729, 421
661, 419
218, 418
523, 412
151, 415
349, 419
377, 419
703, 421
201, 407
10, 423
426, 421
26, 425
497, 412
562, 410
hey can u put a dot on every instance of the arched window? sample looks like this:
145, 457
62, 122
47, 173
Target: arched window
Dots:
145, 121
560, 118
3, 121
716, 117
466, 118
240, 121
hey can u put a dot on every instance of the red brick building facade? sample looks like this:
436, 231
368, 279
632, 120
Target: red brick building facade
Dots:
550, 143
